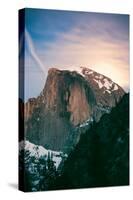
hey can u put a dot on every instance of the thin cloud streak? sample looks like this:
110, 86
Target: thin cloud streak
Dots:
32, 51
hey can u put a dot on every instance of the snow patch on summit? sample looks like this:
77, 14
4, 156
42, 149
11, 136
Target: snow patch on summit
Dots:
99, 83
115, 87
103, 82
108, 84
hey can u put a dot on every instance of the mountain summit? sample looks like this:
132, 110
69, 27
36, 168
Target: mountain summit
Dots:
70, 99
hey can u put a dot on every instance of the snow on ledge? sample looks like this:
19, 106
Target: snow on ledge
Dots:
39, 151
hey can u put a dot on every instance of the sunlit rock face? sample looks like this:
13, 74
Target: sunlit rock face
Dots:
68, 100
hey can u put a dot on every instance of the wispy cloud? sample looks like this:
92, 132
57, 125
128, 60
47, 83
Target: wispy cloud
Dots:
32, 51
101, 52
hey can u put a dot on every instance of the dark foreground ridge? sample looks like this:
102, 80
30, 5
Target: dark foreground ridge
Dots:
101, 158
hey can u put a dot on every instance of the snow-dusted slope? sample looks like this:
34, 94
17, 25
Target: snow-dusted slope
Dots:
103, 82
38, 166
39, 151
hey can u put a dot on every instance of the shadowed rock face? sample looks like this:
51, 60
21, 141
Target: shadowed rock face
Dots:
67, 100
29, 107
107, 93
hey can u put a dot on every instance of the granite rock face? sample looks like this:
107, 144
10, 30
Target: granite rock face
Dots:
68, 100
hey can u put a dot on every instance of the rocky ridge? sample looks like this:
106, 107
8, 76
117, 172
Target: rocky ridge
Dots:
68, 100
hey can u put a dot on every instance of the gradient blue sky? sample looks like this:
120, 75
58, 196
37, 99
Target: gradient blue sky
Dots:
67, 40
